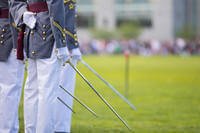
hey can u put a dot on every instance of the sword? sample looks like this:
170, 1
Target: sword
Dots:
98, 94
79, 101
109, 85
65, 104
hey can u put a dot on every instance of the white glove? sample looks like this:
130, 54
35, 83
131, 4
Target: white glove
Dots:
63, 55
29, 19
76, 54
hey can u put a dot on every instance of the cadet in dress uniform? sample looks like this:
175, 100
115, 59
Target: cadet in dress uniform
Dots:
63, 117
11, 73
45, 46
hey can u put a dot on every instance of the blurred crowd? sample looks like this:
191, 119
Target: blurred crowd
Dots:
146, 48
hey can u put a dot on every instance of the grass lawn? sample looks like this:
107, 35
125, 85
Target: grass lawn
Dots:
165, 90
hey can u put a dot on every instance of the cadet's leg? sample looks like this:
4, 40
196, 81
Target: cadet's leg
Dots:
48, 77
9, 94
20, 77
67, 80
31, 98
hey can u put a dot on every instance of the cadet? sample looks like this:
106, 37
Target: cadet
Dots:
45, 46
11, 73
63, 116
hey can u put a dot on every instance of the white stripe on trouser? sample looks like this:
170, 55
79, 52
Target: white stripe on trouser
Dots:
39, 94
11, 77
63, 114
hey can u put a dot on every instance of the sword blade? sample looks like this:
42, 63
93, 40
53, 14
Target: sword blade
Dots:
79, 101
109, 85
99, 95
66, 105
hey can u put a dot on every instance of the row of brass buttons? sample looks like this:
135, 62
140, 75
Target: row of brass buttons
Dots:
43, 38
2, 36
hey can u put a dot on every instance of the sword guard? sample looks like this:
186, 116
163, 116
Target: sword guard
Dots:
67, 62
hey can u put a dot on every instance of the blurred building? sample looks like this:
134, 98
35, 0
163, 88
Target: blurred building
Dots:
161, 19
186, 15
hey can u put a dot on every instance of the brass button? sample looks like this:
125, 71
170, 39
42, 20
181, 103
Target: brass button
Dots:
44, 38
76, 39
1, 42
44, 33
44, 26
33, 52
2, 36
32, 32
3, 30
64, 41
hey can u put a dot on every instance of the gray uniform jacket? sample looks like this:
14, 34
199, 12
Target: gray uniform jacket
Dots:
70, 24
49, 29
6, 36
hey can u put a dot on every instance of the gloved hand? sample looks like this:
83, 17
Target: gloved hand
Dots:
29, 19
76, 54
63, 55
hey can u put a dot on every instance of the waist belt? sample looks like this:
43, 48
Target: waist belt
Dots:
38, 7
4, 13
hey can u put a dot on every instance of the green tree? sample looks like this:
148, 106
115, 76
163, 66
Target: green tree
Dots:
129, 30
187, 33
103, 34
125, 30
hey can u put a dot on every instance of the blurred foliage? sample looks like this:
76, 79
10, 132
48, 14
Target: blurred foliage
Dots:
129, 30
103, 34
187, 32
125, 30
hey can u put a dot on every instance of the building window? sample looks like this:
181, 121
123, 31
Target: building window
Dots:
85, 2
84, 21
131, 1
142, 22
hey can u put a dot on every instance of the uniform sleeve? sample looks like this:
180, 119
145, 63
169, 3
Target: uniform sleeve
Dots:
57, 18
14, 30
17, 9
70, 24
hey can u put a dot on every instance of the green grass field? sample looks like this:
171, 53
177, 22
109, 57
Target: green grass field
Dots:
165, 90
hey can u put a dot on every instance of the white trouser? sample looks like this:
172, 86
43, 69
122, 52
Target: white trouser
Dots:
63, 114
39, 94
11, 80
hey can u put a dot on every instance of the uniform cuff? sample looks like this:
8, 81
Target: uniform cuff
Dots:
63, 51
76, 52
